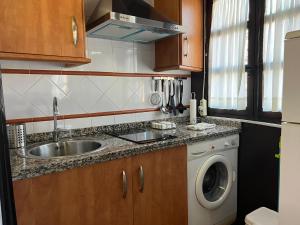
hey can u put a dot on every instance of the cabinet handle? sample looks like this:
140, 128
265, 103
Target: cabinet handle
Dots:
197, 153
187, 46
75, 31
142, 178
125, 184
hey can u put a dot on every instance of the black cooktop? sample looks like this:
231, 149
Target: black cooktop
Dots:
143, 136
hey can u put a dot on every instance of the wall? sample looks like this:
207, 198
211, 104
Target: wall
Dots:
30, 96
197, 86
258, 170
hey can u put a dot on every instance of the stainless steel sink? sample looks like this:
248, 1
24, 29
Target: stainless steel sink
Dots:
64, 149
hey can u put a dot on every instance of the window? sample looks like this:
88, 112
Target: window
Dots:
248, 35
228, 55
281, 16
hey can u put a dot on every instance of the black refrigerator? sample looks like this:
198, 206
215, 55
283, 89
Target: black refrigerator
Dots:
8, 215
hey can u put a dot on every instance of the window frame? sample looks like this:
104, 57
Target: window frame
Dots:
254, 69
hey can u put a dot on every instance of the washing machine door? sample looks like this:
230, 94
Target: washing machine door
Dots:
214, 181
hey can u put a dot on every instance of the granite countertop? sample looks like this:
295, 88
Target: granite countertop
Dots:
116, 148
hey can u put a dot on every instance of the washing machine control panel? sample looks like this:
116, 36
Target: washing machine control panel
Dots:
220, 144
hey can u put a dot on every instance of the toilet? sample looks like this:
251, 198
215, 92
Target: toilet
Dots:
262, 216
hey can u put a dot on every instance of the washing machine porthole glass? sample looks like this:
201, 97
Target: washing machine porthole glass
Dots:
215, 182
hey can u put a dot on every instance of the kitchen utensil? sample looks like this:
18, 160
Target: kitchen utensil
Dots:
155, 98
173, 107
203, 108
16, 136
163, 108
180, 106
169, 96
193, 109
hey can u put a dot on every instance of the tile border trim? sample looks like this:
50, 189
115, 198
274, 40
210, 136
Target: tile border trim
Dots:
88, 73
84, 115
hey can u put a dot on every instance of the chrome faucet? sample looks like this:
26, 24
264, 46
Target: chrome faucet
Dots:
57, 131
55, 114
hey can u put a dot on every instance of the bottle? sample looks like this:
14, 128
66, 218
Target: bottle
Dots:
203, 108
193, 109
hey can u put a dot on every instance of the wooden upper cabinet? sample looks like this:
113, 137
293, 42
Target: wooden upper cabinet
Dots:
162, 198
184, 51
42, 30
91, 196
192, 40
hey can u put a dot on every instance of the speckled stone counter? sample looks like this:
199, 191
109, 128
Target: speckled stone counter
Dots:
116, 148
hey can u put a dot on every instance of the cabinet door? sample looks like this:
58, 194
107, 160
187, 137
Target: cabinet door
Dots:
167, 51
73, 15
163, 198
42, 30
192, 40
31, 26
89, 196
183, 51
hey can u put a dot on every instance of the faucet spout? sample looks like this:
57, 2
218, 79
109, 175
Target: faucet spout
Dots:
55, 114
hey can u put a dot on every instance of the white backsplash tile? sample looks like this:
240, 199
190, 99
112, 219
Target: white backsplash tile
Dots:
29, 96
16, 106
85, 93
104, 104
120, 92
144, 60
45, 66
78, 123
14, 64
30, 128
41, 95
101, 53
126, 118
122, 44
146, 116
41, 127
68, 105
103, 83
20, 83
123, 59
102, 121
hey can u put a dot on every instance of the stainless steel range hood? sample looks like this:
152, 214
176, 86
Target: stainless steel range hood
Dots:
127, 20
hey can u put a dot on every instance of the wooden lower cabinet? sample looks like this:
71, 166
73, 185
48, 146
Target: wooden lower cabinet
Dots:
95, 195
82, 196
163, 201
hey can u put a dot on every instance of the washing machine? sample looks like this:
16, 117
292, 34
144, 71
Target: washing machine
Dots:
212, 181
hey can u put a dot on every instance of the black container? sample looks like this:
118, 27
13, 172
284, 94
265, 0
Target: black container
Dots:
6, 190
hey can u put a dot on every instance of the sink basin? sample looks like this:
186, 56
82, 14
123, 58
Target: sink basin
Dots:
64, 148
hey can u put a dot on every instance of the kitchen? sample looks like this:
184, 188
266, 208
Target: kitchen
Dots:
149, 112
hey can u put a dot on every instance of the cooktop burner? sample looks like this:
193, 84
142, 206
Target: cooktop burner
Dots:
144, 136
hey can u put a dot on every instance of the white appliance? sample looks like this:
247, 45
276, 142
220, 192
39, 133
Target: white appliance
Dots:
289, 194
262, 216
212, 181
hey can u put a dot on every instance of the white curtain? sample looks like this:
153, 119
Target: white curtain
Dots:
228, 55
281, 16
